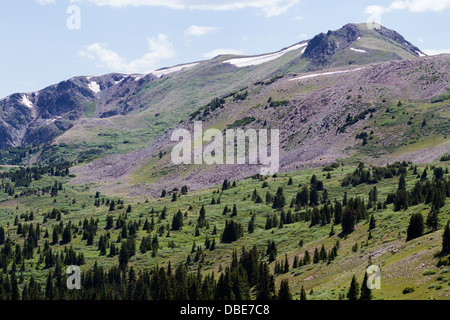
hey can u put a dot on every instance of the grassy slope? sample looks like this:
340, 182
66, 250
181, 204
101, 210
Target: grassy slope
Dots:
175, 96
404, 268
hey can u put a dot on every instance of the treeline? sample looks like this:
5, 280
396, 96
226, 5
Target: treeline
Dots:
247, 277
15, 155
22, 177
372, 176
429, 192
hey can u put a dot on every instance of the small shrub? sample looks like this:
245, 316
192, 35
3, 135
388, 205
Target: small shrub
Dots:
408, 290
428, 272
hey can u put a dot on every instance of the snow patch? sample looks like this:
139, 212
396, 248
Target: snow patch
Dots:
358, 50
162, 72
25, 101
420, 54
253, 61
117, 82
94, 86
324, 74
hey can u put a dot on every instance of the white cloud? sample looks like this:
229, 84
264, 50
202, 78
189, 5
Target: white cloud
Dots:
426, 5
376, 10
159, 49
433, 52
217, 52
268, 7
411, 5
199, 30
44, 2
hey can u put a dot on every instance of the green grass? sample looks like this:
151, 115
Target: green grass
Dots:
410, 265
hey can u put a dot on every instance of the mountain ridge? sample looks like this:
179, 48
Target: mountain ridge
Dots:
59, 105
123, 121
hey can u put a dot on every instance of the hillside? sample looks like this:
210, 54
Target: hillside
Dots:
319, 119
87, 178
72, 120
82, 226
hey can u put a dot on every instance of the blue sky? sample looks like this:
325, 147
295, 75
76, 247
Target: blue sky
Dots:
47, 41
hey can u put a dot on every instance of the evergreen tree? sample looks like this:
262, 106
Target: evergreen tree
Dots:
284, 292
446, 239
433, 220
234, 212
112, 206
401, 183
67, 234
353, 291
415, 228
123, 257
366, 293
372, 222
265, 286
348, 220
177, 222
303, 294
251, 224
233, 231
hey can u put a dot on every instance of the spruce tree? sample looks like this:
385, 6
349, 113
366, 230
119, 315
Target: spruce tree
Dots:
446, 239
284, 292
353, 291
177, 222
366, 293
234, 212
433, 219
348, 220
372, 223
303, 294
415, 228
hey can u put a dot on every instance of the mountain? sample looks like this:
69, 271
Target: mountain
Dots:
39, 117
363, 119
324, 92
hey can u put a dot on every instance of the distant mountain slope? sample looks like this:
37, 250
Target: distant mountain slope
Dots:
165, 97
377, 113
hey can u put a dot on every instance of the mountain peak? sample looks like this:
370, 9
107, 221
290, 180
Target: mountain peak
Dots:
378, 44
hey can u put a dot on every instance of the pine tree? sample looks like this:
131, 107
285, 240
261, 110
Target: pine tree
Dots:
251, 224
401, 183
415, 228
316, 256
284, 292
177, 222
112, 206
67, 234
366, 293
372, 222
433, 220
303, 294
348, 220
353, 291
331, 231
290, 181
123, 257
446, 239
234, 212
